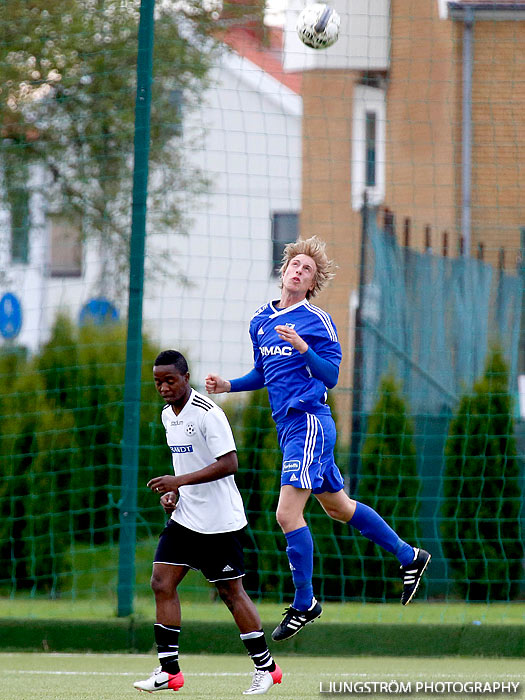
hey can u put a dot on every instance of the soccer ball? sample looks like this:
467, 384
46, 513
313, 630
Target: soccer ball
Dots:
318, 26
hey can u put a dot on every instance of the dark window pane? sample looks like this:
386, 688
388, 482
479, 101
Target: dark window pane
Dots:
285, 229
370, 149
174, 120
17, 191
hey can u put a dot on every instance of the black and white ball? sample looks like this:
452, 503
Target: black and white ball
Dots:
318, 26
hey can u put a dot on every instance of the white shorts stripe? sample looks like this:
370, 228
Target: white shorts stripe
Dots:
310, 444
309, 449
305, 454
315, 431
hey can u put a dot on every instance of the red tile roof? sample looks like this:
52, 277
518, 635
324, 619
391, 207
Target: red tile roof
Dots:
268, 55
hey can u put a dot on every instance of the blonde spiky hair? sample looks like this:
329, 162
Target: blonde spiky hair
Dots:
315, 248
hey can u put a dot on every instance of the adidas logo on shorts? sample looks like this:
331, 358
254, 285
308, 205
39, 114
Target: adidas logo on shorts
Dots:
227, 568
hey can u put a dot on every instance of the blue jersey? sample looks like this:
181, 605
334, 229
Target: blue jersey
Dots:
287, 377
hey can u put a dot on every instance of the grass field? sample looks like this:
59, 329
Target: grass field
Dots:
419, 612
110, 677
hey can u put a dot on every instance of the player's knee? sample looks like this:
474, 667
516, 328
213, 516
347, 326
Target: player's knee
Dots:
289, 519
334, 513
341, 512
282, 519
227, 595
161, 587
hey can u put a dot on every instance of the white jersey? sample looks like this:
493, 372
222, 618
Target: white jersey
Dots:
197, 437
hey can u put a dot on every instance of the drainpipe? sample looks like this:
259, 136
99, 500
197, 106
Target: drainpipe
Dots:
466, 147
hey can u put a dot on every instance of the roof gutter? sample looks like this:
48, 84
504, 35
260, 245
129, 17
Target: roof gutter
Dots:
493, 11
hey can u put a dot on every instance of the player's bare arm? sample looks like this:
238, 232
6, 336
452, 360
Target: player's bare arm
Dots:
216, 385
226, 465
290, 335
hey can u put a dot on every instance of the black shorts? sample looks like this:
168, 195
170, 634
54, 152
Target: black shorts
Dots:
219, 556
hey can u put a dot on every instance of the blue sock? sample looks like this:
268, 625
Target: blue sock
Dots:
300, 551
371, 525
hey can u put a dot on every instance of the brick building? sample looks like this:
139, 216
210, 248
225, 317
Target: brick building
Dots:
422, 106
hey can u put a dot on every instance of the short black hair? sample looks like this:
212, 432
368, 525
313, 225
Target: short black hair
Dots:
172, 357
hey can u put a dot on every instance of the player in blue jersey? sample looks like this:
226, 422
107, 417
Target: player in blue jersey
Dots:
297, 356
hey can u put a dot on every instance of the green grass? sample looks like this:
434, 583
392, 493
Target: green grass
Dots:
110, 677
419, 612
94, 574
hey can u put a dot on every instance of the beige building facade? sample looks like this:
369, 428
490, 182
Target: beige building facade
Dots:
435, 136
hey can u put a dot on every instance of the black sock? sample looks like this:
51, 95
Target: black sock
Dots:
257, 648
167, 639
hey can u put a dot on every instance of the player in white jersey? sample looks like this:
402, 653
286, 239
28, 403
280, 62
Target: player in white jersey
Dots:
297, 357
204, 531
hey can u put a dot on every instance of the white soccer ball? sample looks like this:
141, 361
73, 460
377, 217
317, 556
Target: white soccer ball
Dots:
318, 26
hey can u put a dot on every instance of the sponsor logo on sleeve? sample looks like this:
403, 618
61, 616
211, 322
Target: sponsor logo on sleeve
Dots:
291, 465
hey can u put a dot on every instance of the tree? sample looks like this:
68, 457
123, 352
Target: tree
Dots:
481, 491
36, 456
389, 483
60, 451
83, 374
67, 94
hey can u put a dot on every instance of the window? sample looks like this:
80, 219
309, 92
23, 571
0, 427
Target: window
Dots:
428, 239
285, 229
175, 100
65, 258
521, 351
370, 149
17, 191
368, 145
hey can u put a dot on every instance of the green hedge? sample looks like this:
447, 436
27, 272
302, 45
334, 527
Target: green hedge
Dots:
482, 497
60, 452
223, 638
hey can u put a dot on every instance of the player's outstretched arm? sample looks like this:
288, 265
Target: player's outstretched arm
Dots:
249, 382
216, 385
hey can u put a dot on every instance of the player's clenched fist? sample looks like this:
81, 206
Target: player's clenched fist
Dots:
216, 385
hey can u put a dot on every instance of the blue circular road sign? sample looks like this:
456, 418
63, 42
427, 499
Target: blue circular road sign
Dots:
10, 315
98, 311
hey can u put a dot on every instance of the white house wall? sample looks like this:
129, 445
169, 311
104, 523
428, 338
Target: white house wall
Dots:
252, 154
27, 281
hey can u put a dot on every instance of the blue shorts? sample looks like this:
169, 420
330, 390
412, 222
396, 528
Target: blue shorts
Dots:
307, 442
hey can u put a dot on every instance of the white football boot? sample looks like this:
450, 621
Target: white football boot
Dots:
262, 681
160, 680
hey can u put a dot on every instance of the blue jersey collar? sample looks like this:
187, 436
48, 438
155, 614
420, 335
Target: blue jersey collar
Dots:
280, 312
